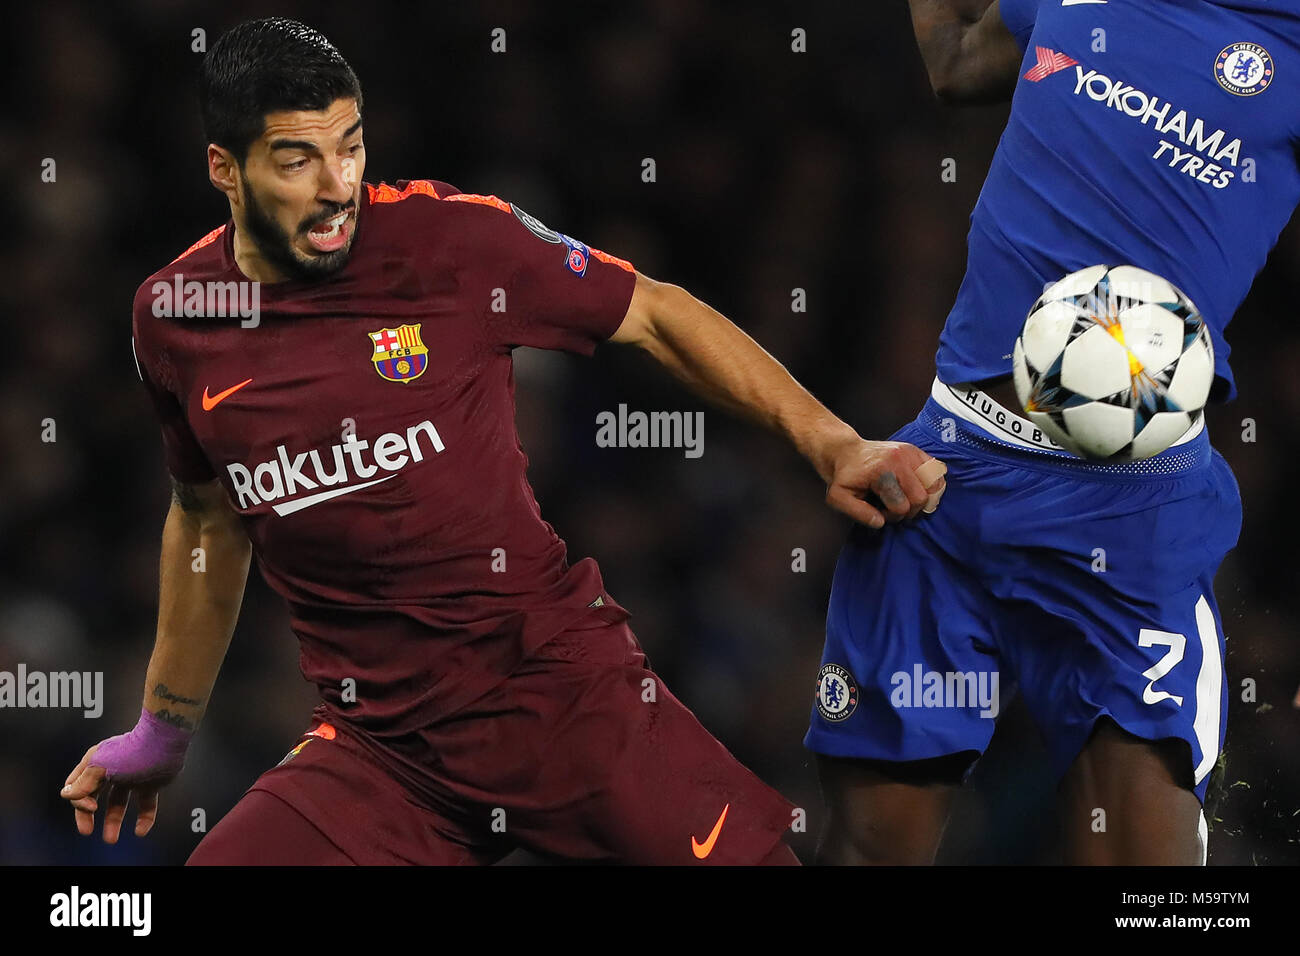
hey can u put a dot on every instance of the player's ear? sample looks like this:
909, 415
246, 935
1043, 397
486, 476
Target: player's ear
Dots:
223, 172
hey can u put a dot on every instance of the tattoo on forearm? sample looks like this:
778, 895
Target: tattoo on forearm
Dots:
185, 496
176, 720
162, 691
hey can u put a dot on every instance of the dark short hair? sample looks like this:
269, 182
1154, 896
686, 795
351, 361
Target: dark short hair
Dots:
267, 66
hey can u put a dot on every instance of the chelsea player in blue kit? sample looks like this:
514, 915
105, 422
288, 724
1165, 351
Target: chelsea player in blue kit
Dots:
1156, 133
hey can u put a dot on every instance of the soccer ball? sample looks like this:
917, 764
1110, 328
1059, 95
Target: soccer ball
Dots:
1113, 363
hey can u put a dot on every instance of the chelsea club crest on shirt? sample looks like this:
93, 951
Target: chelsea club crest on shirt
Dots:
399, 355
837, 694
1244, 69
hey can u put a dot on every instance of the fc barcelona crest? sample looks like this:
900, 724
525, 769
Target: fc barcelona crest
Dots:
399, 354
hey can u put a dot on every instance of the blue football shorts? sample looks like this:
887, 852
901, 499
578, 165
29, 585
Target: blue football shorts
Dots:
1085, 587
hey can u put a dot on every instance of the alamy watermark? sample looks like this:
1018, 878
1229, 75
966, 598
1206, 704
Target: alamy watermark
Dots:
194, 299
954, 689
624, 429
75, 908
53, 689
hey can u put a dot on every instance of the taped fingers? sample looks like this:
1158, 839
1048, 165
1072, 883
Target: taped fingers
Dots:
930, 473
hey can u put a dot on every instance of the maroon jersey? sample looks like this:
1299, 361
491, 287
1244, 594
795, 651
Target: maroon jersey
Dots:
364, 429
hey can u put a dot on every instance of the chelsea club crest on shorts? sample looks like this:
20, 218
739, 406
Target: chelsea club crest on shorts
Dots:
837, 694
1244, 69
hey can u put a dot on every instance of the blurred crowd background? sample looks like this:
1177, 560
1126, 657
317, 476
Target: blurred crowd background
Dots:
776, 170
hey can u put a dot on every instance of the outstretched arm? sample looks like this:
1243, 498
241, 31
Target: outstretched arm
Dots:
969, 53
720, 362
198, 606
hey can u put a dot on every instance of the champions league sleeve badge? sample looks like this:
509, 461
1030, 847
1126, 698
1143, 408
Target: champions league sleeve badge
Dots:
837, 694
535, 226
1244, 69
576, 256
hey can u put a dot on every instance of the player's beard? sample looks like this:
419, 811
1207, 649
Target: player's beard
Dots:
276, 245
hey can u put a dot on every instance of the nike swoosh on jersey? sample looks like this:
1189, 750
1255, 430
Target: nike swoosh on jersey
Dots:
1072, 3
211, 402
289, 507
702, 850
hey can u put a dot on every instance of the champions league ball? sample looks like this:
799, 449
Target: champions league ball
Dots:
1114, 363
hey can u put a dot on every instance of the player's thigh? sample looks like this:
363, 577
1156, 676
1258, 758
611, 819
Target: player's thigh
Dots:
886, 813
329, 791
1157, 674
1113, 634
1137, 639
263, 830
1130, 801
592, 758
909, 670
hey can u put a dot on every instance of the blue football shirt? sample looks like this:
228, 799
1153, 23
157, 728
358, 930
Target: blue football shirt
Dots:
1158, 133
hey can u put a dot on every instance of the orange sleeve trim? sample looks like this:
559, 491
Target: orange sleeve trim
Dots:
612, 260
206, 240
324, 730
505, 207
386, 193
483, 200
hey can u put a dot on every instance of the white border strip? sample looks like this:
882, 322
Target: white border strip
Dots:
1209, 688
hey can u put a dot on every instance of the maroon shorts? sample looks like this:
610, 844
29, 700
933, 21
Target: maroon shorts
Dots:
582, 754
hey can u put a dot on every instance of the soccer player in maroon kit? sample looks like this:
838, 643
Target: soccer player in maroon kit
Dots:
478, 692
